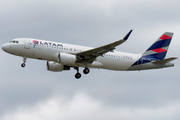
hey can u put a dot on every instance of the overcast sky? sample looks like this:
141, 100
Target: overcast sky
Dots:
33, 93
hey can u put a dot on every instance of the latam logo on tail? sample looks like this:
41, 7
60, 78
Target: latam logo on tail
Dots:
103, 57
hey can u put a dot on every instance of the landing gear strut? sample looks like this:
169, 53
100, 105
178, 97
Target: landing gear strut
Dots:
77, 75
86, 69
24, 61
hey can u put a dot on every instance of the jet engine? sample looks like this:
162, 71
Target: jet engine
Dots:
64, 58
56, 67
53, 66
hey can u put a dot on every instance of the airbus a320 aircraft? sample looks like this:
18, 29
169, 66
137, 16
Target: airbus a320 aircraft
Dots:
61, 56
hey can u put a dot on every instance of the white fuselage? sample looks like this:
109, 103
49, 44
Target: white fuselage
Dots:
49, 51
46, 50
61, 56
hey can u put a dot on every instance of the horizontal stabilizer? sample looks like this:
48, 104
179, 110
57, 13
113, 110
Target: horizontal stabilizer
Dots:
165, 60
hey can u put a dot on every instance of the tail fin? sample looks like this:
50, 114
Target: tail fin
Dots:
159, 49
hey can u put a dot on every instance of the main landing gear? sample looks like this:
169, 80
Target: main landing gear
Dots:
86, 71
24, 61
78, 75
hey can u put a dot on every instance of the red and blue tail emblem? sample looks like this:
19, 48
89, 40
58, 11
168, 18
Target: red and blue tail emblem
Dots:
158, 50
35, 42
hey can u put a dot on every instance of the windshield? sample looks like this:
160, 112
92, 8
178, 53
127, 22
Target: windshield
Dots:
14, 41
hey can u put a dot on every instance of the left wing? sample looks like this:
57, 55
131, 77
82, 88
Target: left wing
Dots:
92, 54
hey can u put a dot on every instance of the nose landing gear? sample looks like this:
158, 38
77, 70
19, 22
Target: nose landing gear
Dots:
24, 61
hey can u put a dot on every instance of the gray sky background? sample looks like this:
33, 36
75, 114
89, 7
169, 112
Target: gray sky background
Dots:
33, 93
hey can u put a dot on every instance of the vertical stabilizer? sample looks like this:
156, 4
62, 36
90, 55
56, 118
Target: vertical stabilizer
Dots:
159, 49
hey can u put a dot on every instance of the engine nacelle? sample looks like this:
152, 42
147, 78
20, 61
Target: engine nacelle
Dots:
65, 58
53, 66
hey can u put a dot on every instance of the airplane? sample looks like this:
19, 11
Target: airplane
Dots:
62, 56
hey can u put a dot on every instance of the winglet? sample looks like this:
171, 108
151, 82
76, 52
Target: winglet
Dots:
126, 37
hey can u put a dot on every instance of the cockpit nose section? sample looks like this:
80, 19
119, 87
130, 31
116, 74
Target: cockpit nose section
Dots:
10, 47
5, 47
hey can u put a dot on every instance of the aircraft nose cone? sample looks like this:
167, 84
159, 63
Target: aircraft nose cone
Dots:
5, 47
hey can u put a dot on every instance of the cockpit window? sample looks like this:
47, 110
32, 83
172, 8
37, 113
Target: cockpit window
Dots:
14, 41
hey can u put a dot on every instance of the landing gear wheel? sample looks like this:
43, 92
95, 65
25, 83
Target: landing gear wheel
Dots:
86, 71
77, 75
24, 61
23, 65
